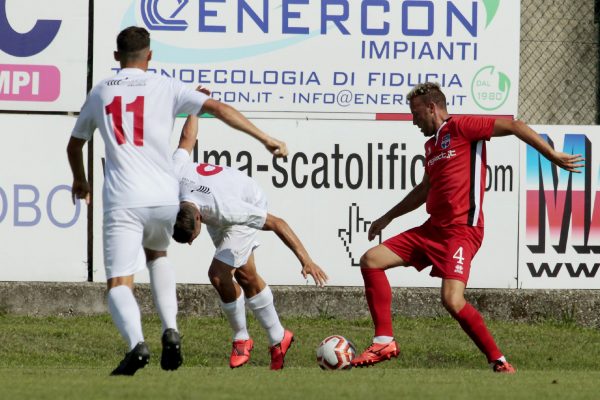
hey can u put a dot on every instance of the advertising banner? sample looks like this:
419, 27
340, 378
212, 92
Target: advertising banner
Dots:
339, 177
43, 55
560, 223
356, 59
43, 233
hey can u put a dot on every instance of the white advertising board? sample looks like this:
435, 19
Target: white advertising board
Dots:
43, 54
337, 168
560, 213
354, 58
43, 234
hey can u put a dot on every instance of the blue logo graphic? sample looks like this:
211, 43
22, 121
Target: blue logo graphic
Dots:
26, 44
168, 53
446, 141
154, 21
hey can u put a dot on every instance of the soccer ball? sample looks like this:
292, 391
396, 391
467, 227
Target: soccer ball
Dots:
335, 352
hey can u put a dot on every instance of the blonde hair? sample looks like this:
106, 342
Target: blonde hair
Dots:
431, 92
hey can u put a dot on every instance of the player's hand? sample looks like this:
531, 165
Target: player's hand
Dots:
276, 147
203, 89
81, 190
354, 236
377, 226
569, 162
312, 269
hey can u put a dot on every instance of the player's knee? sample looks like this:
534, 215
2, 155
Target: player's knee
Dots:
218, 279
453, 303
246, 281
368, 260
251, 283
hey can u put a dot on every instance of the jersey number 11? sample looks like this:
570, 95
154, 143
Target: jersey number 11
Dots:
137, 108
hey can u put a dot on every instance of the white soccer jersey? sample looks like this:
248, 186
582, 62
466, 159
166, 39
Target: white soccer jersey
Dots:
225, 196
135, 112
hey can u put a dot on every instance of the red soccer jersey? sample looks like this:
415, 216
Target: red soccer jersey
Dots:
455, 160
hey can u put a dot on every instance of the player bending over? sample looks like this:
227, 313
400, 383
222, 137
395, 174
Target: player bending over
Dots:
452, 188
234, 209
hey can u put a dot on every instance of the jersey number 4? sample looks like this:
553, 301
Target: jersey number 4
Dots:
116, 110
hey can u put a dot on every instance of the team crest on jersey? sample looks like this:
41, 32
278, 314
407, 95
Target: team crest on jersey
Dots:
445, 141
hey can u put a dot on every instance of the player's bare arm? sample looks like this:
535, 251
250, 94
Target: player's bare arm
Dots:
189, 134
287, 236
413, 200
569, 162
236, 120
81, 187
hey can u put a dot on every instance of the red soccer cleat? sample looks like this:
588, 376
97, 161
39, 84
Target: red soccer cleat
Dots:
278, 351
375, 353
240, 352
503, 367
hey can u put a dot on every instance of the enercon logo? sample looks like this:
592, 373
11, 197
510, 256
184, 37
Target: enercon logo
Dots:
297, 26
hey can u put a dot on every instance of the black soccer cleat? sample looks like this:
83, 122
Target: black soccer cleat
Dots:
137, 358
171, 358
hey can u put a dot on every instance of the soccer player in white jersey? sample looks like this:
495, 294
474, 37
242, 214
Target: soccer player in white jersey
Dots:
135, 112
234, 209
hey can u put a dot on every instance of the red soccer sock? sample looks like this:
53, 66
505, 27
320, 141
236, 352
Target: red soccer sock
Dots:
379, 297
472, 323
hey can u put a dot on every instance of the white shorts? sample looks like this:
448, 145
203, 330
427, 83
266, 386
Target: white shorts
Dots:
126, 232
234, 244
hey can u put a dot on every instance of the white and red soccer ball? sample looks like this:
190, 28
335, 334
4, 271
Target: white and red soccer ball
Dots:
335, 352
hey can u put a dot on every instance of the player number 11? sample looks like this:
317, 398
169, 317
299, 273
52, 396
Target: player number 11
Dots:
136, 107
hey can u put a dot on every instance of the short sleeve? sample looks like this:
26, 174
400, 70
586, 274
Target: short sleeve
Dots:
247, 214
85, 124
475, 128
188, 101
180, 158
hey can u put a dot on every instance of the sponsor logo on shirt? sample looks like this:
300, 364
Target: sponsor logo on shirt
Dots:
201, 189
444, 155
126, 82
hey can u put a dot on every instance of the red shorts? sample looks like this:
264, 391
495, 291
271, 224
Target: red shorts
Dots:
449, 249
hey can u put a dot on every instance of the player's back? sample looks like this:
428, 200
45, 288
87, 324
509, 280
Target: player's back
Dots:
225, 196
135, 112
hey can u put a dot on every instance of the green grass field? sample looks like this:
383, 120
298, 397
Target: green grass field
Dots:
71, 357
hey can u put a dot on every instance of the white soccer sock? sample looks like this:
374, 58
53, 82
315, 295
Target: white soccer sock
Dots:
164, 291
236, 315
126, 314
264, 310
382, 339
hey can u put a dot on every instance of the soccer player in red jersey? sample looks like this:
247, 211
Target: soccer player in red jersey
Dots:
452, 189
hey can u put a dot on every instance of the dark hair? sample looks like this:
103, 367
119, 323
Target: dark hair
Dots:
185, 223
431, 92
132, 40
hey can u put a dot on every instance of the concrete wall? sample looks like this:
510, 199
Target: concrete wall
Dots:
559, 62
576, 306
